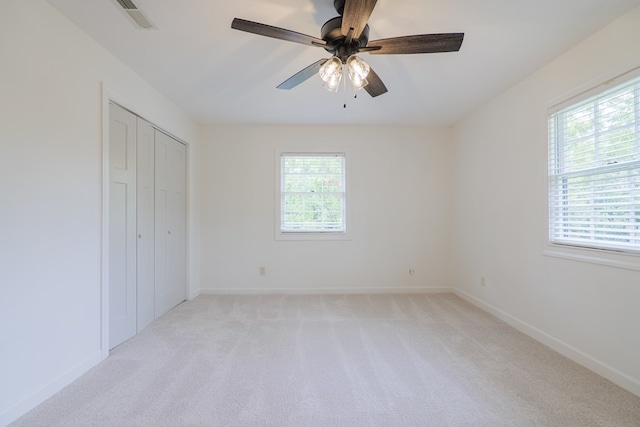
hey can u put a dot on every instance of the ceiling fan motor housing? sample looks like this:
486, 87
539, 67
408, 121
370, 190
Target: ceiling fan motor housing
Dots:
331, 32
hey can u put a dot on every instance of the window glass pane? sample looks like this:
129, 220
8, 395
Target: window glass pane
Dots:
594, 170
332, 183
293, 202
313, 191
615, 110
580, 123
332, 202
619, 146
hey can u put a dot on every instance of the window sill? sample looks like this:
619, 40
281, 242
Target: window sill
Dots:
301, 235
594, 256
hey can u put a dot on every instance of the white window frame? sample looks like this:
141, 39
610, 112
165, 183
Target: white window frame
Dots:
311, 235
598, 253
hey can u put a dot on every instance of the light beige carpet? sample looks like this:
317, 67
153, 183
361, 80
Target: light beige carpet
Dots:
354, 360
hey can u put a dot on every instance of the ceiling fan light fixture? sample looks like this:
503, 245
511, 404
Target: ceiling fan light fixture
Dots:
344, 36
331, 74
358, 71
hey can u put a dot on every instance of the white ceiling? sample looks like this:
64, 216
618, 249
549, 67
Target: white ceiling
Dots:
223, 76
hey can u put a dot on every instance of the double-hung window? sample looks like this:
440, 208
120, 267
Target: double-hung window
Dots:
594, 168
312, 195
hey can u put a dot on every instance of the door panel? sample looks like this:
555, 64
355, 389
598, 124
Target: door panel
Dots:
145, 224
122, 225
162, 228
170, 223
177, 205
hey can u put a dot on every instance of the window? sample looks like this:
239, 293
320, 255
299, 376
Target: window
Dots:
594, 168
312, 195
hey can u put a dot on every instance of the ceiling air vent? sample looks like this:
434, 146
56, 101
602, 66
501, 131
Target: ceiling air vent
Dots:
127, 4
136, 15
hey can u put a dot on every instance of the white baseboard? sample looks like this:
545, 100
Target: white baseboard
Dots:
323, 291
24, 405
620, 378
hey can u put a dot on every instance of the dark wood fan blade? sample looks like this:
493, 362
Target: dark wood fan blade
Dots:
302, 75
420, 43
375, 86
355, 15
275, 32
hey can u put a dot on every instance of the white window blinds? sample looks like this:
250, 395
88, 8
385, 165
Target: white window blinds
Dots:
594, 168
312, 192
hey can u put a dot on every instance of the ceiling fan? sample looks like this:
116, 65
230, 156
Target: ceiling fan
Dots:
345, 36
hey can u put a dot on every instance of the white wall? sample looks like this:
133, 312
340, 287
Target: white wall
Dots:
51, 195
400, 203
589, 312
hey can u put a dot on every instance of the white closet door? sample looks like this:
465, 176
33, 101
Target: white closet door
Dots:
178, 221
145, 224
170, 203
122, 225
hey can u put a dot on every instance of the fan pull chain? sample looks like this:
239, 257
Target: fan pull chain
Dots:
344, 88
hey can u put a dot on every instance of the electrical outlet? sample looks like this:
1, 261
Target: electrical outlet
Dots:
263, 271
482, 281
411, 272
